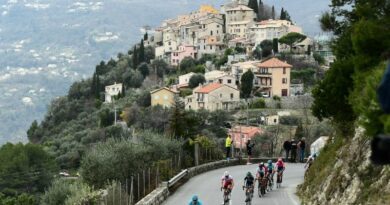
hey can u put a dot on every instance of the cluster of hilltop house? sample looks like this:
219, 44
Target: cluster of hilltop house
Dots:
212, 31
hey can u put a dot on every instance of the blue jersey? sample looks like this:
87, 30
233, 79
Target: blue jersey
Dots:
270, 167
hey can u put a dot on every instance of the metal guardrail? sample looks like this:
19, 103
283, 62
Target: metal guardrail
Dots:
176, 178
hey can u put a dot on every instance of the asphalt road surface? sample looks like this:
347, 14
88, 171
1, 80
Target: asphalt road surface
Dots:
207, 187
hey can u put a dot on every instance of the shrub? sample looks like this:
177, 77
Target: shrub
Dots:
259, 103
290, 120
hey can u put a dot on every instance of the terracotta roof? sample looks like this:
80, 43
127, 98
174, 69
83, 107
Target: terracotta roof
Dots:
274, 63
208, 88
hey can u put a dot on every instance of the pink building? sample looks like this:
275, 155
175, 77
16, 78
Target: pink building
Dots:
182, 52
248, 132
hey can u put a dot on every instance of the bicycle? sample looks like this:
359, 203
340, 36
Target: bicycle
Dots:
262, 186
279, 179
271, 181
248, 194
226, 196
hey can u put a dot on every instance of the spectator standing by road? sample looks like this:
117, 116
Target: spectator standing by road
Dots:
287, 149
249, 147
294, 147
228, 146
301, 148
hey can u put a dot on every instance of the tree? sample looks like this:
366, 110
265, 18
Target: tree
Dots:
177, 124
160, 67
25, 169
196, 79
32, 134
282, 14
292, 38
247, 84
106, 118
146, 36
135, 58
141, 52
275, 45
261, 11
253, 5
143, 69
266, 48
187, 64
273, 12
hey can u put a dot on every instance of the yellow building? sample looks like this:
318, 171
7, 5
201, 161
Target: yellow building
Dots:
163, 96
208, 9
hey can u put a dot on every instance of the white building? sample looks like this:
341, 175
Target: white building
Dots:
221, 77
111, 91
185, 79
238, 20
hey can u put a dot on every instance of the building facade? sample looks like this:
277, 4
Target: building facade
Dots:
164, 97
111, 91
213, 96
241, 135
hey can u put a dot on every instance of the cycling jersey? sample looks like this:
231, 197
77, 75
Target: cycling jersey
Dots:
195, 203
261, 171
280, 166
227, 181
270, 167
249, 181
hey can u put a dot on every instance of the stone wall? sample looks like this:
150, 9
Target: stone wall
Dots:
157, 196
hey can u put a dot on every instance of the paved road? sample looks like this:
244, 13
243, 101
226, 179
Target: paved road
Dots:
207, 187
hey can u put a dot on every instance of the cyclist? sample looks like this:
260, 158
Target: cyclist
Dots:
248, 184
280, 167
270, 171
227, 182
195, 201
261, 170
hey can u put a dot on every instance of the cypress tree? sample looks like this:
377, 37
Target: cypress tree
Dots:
261, 15
93, 85
135, 58
282, 15
123, 90
146, 36
275, 46
98, 87
253, 5
141, 53
273, 12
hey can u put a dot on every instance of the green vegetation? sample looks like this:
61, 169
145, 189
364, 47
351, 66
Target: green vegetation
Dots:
305, 76
266, 48
195, 80
25, 169
292, 38
247, 84
347, 96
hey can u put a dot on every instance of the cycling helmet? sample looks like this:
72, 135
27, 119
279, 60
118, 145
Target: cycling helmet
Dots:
269, 161
226, 173
248, 174
261, 163
195, 198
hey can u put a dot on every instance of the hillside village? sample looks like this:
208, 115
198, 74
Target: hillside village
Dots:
228, 41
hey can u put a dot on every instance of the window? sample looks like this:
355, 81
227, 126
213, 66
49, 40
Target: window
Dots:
220, 81
284, 80
284, 92
165, 97
284, 70
220, 95
231, 96
156, 97
229, 81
